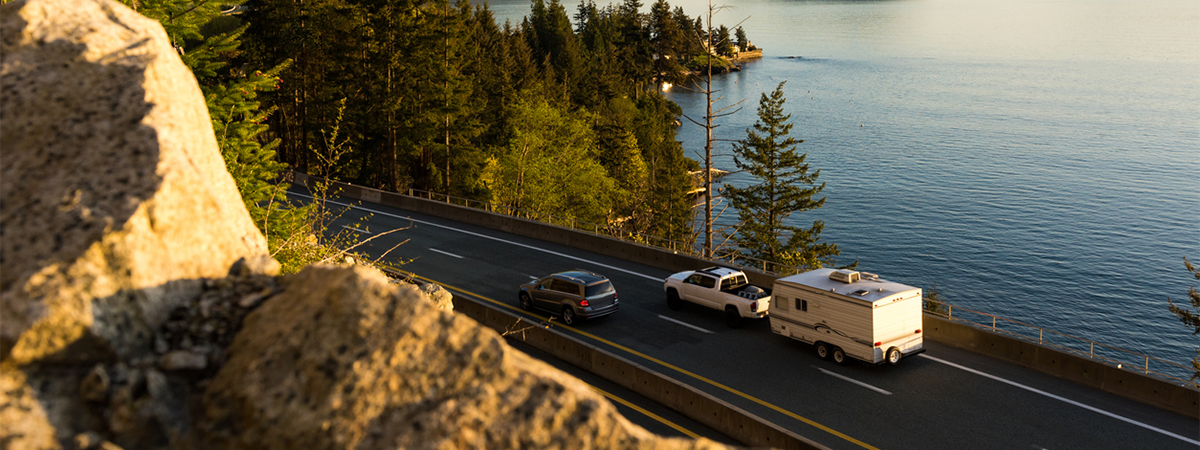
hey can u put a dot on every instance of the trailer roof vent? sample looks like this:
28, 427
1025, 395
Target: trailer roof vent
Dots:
845, 276
869, 276
861, 292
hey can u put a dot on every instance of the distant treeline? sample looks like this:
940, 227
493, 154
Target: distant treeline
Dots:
556, 115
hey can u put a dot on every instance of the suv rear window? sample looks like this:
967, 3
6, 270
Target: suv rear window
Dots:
564, 286
598, 288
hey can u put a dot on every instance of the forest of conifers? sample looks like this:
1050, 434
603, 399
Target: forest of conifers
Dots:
556, 114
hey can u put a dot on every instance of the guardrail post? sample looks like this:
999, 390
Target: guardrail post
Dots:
1091, 349
993, 323
949, 311
1147, 364
1040, 330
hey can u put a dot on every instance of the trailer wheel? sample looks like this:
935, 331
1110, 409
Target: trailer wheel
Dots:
732, 317
839, 356
894, 355
822, 350
673, 300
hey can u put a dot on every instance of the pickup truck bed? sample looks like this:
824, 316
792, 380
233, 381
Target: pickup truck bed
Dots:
719, 288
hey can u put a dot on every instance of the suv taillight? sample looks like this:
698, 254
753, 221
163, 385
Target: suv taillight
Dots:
583, 302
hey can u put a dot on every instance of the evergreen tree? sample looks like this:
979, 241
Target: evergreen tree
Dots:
742, 42
669, 44
553, 41
635, 52
1190, 318
785, 186
722, 43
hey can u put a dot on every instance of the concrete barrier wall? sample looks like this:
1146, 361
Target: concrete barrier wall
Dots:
1133, 385
1126, 382
699, 406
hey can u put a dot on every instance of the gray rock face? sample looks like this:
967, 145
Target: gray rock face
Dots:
341, 359
116, 200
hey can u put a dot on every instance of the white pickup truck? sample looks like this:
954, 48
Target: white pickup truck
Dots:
719, 288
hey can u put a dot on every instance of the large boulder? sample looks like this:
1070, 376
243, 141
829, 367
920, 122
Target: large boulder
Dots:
116, 202
340, 359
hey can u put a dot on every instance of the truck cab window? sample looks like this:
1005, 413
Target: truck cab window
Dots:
707, 282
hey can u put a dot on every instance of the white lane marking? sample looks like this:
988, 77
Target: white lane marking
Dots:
489, 237
444, 253
1047, 394
873, 388
355, 229
679, 322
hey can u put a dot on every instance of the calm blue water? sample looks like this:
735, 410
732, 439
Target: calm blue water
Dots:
1038, 160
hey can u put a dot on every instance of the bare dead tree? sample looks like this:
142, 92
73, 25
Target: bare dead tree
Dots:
709, 117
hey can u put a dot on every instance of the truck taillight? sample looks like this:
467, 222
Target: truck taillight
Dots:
753, 306
583, 302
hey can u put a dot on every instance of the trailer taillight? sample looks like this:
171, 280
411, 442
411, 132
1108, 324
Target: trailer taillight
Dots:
918, 331
878, 343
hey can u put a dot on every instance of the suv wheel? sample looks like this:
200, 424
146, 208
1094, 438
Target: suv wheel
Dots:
526, 303
568, 315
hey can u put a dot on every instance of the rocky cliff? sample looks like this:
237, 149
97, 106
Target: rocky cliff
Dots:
139, 310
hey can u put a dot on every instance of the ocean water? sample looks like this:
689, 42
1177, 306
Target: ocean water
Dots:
1038, 160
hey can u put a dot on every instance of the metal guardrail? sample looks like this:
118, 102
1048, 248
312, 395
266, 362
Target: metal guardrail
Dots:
1072, 344
731, 258
1120, 357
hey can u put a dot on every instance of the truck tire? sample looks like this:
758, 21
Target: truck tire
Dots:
894, 355
568, 315
822, 350
673, 300
732, 317
526, 302
839, 356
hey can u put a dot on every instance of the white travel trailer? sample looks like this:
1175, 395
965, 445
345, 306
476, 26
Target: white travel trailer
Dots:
851, 314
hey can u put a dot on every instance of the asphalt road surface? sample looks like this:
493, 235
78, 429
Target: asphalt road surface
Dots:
945, 398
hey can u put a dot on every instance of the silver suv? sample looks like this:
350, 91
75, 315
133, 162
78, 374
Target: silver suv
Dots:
576, 294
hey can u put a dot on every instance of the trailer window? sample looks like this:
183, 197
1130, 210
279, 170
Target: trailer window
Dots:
802, 305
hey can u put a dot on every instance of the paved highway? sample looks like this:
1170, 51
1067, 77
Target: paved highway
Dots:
943, 399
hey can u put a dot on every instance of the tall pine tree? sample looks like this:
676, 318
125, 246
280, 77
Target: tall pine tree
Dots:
785, 186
